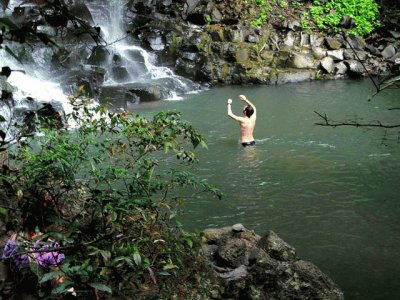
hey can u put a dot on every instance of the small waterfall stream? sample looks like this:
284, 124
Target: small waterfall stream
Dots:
127, 67
126, 61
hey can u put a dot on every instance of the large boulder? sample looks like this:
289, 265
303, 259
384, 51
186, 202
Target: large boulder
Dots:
340, 68
248, 266
332, 43
293, 75
302, 61
389, 51
328, 64
355, 68
335, 54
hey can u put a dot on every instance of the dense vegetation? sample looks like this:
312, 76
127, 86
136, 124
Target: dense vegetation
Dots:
93, 208
363, 12
325, 15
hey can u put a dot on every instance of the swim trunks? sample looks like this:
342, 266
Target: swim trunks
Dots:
247, 144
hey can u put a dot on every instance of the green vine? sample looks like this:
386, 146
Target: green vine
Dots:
363, 12
263, 16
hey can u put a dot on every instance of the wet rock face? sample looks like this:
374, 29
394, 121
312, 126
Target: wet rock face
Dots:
248, 266
214, 42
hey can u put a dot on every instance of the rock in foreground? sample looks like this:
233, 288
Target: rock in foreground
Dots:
252, 267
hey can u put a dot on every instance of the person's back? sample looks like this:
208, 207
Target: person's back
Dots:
246, 129
247, 123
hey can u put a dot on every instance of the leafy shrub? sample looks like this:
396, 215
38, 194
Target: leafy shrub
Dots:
283, 4
261, 19
363, 12
263, 13
305, 21
102, 197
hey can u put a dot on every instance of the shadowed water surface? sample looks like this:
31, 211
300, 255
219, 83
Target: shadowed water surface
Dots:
331, 192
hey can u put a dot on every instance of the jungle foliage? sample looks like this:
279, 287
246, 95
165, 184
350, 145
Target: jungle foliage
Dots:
91, 210
103, 195
329, 15
326, 15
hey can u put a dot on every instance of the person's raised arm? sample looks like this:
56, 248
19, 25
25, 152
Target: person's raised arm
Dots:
230, 113
243, 98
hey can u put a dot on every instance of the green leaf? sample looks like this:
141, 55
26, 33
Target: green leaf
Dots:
85, 264
167, 146
105, 254
104, 272
2, 119
123, 259
163, 273
61, 288
101, 287
189, 242
170, 265
50, 276
3, 211
137, 258
203, 145
136, 255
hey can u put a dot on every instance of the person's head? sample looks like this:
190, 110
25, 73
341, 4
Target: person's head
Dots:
248, 111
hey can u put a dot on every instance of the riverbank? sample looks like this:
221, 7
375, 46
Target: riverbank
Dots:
148, 51
242, 265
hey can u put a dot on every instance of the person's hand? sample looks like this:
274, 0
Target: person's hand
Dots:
229, 101
242, 97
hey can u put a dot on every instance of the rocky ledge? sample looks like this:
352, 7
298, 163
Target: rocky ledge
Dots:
248, 266
215, 42
210, 42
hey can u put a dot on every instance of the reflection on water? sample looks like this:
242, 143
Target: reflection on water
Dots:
331, 192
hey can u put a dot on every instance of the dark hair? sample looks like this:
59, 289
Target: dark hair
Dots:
248, 111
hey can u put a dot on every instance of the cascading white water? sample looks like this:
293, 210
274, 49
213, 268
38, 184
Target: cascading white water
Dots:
128, 62
31, 89
31, 86
34, 81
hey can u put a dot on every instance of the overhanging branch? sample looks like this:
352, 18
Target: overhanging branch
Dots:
327, 122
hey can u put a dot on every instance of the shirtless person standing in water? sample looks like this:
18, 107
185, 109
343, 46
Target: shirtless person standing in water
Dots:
247, 122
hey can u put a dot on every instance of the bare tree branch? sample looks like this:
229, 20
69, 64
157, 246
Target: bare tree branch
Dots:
327, 122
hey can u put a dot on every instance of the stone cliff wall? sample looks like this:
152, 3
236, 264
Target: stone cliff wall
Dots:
215, 42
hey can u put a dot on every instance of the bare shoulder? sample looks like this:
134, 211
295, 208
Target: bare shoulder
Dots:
241, 119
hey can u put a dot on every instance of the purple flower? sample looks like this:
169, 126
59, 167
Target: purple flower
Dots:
46, 259
10, 254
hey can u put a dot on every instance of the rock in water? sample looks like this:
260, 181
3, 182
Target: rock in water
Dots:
250, 267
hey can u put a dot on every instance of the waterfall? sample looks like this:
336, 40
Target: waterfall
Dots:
30, 84
126, 61
128, 67
31, 90
32, 81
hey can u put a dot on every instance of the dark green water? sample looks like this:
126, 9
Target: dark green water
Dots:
333, 193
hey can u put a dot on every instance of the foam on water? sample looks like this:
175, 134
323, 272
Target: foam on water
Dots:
33, 84
140, 64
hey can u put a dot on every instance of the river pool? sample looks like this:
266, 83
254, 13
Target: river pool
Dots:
332, 193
